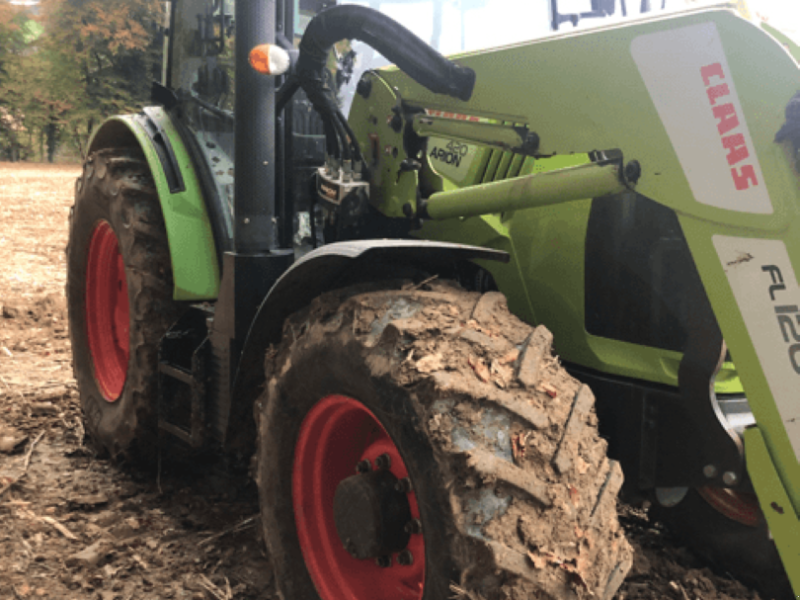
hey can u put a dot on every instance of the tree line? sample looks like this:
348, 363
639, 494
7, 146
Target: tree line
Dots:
65, 65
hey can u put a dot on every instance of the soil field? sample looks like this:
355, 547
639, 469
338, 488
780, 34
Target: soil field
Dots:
77, 526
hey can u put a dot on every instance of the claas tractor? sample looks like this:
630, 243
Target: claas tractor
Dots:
447, 332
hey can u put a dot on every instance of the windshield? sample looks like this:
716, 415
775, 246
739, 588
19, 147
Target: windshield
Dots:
202, 51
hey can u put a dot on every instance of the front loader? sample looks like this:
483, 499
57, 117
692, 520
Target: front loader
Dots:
368, 306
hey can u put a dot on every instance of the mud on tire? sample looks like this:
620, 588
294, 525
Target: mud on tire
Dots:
116, 189
516, 496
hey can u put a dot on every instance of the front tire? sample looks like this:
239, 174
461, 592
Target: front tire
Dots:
119, 297
509, 490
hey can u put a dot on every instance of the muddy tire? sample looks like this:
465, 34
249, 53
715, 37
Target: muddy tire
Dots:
119, 296
509, 489
738, 548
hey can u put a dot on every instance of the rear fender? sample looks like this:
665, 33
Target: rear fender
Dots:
328, 268
193, 252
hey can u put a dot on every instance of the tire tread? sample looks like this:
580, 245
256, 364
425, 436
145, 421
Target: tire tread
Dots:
414, 340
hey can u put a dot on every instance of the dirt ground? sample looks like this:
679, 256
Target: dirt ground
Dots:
76, 526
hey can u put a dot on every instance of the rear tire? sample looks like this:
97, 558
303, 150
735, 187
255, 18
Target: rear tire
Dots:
742, 551
118, 243
415, 364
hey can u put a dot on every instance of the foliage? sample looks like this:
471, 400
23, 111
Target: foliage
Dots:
12, 42
72, 65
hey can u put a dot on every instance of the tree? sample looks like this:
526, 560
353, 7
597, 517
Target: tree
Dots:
76, 63
103, 55
12, 42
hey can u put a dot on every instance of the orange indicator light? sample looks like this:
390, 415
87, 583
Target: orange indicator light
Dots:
269, 59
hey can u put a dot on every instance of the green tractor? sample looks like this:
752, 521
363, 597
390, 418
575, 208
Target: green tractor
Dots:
366, 305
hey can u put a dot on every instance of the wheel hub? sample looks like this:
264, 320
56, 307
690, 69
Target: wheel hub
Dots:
741, 507
107, 311
370, 514
341, 516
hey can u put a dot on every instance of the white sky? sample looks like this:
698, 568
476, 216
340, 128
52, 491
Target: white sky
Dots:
501, 22
784, 15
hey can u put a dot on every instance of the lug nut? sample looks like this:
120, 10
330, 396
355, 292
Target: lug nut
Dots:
384, 561
383, 462
730, 478
405, 558
710, 471
403, 485
414, 526
363, 466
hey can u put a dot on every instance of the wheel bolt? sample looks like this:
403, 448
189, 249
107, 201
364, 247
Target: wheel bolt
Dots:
405, 558
730, 478
384, 462
384, 561
363, 466
414, 526
403, 485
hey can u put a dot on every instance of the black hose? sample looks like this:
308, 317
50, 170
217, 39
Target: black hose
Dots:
407, 51
341, 132
357, 156
283, 95
424, 64
332, 145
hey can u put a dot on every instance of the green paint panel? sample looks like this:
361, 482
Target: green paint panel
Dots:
383, 150
782, 520
192, 249
785, 40
490, 232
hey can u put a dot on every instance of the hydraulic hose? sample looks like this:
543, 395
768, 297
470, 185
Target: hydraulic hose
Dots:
346, 148
424, 64
351, 134
412, 55
332, 144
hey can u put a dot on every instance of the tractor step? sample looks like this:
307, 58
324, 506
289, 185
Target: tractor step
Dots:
183, 359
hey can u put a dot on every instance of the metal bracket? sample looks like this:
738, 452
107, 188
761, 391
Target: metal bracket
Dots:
714, 438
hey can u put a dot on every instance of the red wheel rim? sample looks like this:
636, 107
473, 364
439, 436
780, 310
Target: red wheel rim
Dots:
335, 436
741, 507
107, 312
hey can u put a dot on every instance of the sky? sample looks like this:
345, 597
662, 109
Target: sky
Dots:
531, 16
782, 14
500, 22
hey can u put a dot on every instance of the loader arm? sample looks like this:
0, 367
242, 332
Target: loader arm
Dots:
696, 100
741, 222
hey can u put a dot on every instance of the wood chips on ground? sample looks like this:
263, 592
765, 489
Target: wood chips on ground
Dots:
73, 525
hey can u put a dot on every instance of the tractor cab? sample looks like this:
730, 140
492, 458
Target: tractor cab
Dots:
200, 78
